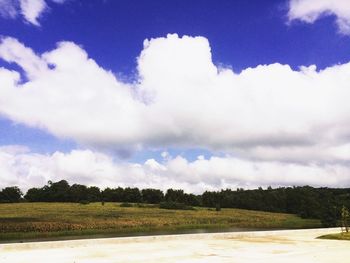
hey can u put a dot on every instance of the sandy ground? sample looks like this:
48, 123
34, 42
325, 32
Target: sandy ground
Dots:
295, 246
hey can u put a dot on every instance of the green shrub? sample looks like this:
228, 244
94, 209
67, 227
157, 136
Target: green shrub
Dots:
84, 202
126, 205
174, 205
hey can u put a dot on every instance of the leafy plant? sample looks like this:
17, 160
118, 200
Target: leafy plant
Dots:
175, 205
126, 205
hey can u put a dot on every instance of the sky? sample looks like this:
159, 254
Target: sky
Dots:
197, 95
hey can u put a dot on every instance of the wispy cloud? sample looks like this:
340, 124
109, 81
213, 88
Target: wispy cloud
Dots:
8, 9
310, 10
30, 10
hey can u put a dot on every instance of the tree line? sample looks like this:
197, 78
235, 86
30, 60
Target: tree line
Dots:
307, 202
62, 191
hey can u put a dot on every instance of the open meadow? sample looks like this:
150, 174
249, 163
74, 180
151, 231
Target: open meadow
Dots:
33, 221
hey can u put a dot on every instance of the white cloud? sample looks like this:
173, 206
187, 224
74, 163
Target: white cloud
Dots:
311, 10
13, 51
31, 10
28, 169
8, 9
182, 99
165, 155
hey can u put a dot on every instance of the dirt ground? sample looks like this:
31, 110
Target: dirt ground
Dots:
240, 247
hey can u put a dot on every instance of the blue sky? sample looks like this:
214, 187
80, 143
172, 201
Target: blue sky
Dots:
237, 36
242, 33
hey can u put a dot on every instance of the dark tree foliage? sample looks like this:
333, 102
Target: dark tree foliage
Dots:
78, 193
178, 196
132, 195
152, 196
211, 199
306, 201
175, 196
113, 195
192, 200
329, 215
62, 192
93, 194
58, 191
35, 195
10, 195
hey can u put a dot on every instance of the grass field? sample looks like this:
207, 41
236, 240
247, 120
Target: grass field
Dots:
338, 236
25, 221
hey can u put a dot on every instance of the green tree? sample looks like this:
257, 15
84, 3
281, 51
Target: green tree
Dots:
93, 194
175, 196
345, 217
11, 194
78, 193
35, 195
132, 195
152, 196
58, 191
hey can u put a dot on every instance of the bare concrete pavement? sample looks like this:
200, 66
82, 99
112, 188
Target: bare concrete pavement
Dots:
265, 246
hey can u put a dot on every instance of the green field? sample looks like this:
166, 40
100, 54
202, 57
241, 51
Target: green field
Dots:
338, 236
33, 221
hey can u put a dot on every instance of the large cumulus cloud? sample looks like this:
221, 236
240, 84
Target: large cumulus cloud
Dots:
272, 125
181, 99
